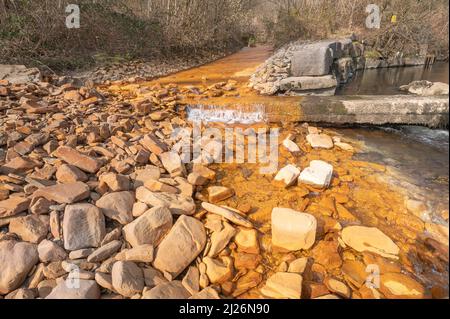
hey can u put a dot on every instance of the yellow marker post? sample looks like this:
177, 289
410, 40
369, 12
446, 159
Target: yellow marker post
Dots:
394, 18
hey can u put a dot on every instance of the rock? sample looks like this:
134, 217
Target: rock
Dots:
153, 277
168, 290
181, 246
178, 204
400, 286
16, 261
50, 251
219, 270
219, 193
19, 74
355, 272
426, 88
13, 206
283, 285
250, 280
142, 175
70, 174
117, 206
64, 193
298, 266
288, 175
116, 182
197, 179
344, 146
80, 253
227, 213
19, 164
138, 254
139, 208
21, 293
291, 146
83, 226
75, 158
326, 254
438, 232
318, 174
172, 163
220, 239
157, 186
370, 239
88, 289
153, 144
247, 240
41, 206
204, 171
104, 280
127, 278
338, 287
29, 228
246, 261
207, 293
293, 230
104, 252
320, 141
191, 280
149, 228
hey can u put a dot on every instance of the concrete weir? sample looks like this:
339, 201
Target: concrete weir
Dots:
431, 111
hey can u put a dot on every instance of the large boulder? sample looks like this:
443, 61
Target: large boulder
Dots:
19, 74
426, 88
292, 230
181, 246
16, 261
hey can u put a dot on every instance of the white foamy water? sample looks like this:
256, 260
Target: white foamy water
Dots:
243, 114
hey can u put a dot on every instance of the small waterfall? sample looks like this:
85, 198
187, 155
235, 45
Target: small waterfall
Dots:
242, 114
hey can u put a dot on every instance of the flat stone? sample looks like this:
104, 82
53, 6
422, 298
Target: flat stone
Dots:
64, 193
318, 174
13, 206
298, 266
16, 261
29, 228
117, 206
149, 228
191, 280
142, 175
247, 240
168, 290
227, 213
153, 144
127, 278
178, 204
248, 281
400, 286
291, 146
88, 289
116, 182
138, 254
288, 175
153, 277
70, 174
157, 186
75, 158
320, 141
219, 193
293, 230
370, 239
326, 253
104, 252
338, 287
50, 251
181, 246
219, 270
283, 285
220, 239
172, 163
83, 226
355, 272
197, 179
308, 83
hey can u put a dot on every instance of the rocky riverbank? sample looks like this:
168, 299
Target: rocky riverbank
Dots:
96, 202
